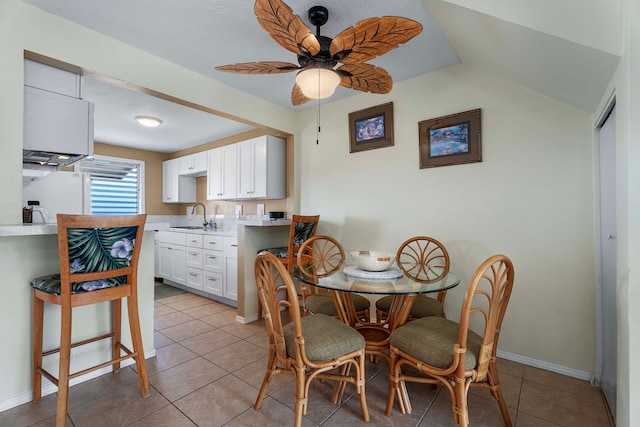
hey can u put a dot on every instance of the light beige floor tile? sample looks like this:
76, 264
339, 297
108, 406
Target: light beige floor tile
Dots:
168, 357
163, 310
218, 403
526, 420
160, 340
104, 384
261, 340
254, 373
245, 331
170, 320
168, 416
187, 330
481, 412
558, 381
185, 378
510, 367
220, 319
271, 414
209, 341
189, 303
562, 407
205, 310
510, 386
30, 413
118, 408
236, 356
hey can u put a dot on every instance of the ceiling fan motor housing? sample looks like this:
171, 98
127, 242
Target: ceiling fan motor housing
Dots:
318, 16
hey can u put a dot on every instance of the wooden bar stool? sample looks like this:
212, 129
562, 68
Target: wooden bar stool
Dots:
303, 227
98, 263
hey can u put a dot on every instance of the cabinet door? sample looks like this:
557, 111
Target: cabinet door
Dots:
165, 261
229, 171
178, 264
170, 181
246, 179
260, 178
214, 174
185, 165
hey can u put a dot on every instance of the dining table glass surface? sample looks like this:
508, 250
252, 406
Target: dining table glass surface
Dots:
340, 281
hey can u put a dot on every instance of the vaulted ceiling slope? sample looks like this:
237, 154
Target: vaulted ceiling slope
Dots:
566, 50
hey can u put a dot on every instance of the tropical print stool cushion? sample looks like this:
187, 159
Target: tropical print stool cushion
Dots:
93, 250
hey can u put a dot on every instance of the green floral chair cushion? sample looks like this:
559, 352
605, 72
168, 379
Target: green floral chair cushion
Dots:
93, 250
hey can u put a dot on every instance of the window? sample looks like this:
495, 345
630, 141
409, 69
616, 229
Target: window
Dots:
113, 186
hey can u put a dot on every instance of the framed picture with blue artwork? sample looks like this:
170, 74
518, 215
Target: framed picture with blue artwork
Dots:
371, 128
450, 140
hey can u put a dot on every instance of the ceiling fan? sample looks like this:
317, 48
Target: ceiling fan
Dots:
318, 55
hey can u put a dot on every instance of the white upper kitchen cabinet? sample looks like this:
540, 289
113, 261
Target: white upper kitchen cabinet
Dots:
193, 164
177, 188
261, 168
221, 173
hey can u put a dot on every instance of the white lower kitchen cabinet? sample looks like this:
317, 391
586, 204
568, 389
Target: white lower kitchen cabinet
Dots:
204, 262
172, 262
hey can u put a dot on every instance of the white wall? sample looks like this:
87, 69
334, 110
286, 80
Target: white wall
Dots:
628, 216
531, 198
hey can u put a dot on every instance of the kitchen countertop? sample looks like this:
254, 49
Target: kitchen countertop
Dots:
264, 222
47, 229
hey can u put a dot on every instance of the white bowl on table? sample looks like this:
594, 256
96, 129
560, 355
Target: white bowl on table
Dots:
373, 260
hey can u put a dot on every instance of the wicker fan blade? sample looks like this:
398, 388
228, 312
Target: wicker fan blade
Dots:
372, 37
277, 19
297, 97
365, 77
267, 67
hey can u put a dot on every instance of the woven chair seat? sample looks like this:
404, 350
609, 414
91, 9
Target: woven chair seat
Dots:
423, 306
432, 339
326, 338
51, 284
323, 303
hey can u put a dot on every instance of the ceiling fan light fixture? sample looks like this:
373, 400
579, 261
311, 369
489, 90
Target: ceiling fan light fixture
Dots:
148, 121
317, 82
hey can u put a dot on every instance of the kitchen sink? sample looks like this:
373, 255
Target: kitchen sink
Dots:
190, 227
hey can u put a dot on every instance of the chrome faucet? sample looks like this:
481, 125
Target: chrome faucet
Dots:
204, 212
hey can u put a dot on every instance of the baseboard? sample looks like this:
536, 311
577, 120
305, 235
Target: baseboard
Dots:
51, 388
248, 319
559, 369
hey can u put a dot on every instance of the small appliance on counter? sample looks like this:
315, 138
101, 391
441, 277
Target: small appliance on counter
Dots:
276, 215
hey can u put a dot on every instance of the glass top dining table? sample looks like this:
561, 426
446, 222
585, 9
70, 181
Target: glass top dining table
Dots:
403, 288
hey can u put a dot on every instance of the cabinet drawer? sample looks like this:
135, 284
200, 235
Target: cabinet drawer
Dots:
194, 278
194, 257
231, 247
212, 242
213, 283
194, 240
212, 260
171, 237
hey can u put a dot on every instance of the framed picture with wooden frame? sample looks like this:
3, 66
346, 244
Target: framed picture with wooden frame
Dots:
450, 140
371, 128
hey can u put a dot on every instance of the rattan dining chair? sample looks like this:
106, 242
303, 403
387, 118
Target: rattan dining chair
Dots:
308, 347
321, 256
424, 259
450, 353
98, 263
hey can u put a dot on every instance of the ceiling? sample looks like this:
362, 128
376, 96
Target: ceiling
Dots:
202, 34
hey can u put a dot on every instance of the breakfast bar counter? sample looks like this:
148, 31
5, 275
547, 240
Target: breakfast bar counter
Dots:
253, 235
29, 251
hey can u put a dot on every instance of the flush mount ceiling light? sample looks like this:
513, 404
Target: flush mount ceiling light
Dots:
341, 58
148, 121
317, 81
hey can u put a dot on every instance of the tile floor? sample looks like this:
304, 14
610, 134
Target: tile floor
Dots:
209, 368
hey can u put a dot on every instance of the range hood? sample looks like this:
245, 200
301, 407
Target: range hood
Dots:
48, 158
58, 129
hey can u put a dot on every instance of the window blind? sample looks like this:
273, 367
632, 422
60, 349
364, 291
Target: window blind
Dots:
115, 186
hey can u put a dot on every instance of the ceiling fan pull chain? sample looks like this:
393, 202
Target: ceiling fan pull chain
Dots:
318, 133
